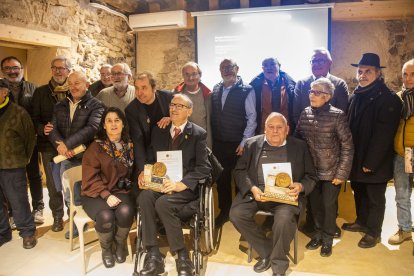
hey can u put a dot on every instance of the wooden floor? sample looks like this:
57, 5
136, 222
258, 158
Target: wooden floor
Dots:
52, 257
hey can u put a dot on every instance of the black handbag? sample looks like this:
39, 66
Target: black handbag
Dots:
216, 167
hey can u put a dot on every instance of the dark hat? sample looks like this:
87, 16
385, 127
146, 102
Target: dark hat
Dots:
3, 83
369, 59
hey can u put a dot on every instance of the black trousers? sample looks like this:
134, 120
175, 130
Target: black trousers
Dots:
13, 186
166, 207
242, 215
324, 206
55, 197
226, 155
35, 181
370, 205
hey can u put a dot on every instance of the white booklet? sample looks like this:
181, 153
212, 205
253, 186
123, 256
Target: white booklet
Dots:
173, 160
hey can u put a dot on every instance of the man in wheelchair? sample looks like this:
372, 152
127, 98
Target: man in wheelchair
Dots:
174, 196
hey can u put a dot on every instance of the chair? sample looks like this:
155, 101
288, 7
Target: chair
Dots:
201, 221
69, 178
295, 242
77, 215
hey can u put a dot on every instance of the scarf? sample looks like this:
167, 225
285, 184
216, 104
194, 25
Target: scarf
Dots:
124, 155
408, 103
60, 90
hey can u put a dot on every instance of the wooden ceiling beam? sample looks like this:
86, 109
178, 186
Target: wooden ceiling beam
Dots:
33, 37
373, 10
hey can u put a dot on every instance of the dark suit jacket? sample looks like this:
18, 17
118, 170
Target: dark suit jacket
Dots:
139, 127
301, 101
193, 143
246, 171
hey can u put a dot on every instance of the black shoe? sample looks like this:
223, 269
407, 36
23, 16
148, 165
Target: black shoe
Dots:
368, 241
6, 239
221, 219
108, 258
262, 265
57, 225
326, 250
184, 267
154, 265
338, 232
354, 227
29, 242
314, 244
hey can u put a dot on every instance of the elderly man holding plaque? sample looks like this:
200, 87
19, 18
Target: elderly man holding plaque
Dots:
273, 147
189, 142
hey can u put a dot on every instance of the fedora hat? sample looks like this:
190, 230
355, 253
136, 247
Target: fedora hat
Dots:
369, 59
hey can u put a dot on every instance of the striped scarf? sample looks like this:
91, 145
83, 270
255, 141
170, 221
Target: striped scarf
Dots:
408, 103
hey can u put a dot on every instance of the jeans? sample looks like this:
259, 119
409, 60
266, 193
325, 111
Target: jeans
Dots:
64, 166
403, 188
13, 186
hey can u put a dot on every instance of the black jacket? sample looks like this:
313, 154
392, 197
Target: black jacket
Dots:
373, 117
139, 127
43, 103
257, 84
25, 97
326, 131
84, 125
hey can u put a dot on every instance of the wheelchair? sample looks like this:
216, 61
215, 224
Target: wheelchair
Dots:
199, 217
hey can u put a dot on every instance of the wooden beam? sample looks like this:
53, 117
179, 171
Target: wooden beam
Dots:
213, 5
33, 37
373, 10
16, 45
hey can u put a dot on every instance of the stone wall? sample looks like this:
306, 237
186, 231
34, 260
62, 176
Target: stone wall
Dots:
164, 52
97, 36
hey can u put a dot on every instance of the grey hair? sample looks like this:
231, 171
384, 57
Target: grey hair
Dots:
323, 51
276, 114
272, 59
191, 64
68, 64
326, 84
125, 68
106, 65
80, 73
408, 63
230, 60
185, 98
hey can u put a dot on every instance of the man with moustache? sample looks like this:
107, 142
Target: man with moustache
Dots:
75, 122
199, 95
373, 115
274, 91
233, 121
321, 62
148, 110
121, 93
104, 81
45, 98
21, 93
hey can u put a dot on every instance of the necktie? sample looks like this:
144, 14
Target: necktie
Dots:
177, 132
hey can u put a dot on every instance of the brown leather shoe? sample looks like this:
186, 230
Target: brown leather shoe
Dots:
57, 225
368, 241
29, 242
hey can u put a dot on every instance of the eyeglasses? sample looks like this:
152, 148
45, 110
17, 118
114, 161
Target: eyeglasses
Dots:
317, 93
12, 68
318, 61
118, 74
107, 75
178, 106
227, 67
56, 69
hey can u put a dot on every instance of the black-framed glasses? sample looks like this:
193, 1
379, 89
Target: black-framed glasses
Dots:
11, 68
118, 74
56, 69
178, 106
318, 92
227, 67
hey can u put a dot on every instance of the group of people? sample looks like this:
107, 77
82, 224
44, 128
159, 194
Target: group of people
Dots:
327, 135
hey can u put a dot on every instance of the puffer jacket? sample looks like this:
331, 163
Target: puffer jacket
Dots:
84, 124
405, 133
326, 131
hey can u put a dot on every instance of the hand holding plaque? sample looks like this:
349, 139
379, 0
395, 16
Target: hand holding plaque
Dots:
154, 176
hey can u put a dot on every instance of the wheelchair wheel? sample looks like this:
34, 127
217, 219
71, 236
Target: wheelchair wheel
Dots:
208, 229
198, 262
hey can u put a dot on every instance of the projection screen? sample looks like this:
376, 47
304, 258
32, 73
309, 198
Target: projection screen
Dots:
248, 36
